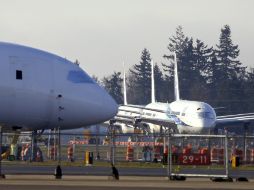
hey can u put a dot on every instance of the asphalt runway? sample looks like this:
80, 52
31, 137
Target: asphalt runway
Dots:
86, 170
106, 171
95, 183
31, 187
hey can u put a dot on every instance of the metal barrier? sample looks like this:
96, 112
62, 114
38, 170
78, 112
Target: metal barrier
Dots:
200, 154
187, 155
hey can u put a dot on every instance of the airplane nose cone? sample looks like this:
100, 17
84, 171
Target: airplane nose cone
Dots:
106, 107
110, 107
88, 106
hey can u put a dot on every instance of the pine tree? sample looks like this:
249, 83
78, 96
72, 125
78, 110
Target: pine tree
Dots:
249, 91
142, 76
199, 72
159, 84
203, 56
184, 49
229, 77
113, 84
227, 54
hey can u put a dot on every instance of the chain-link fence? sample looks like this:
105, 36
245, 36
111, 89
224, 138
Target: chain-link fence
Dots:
193, 155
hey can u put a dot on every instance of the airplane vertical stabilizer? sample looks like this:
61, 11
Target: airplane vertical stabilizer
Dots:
124, 87
176, 81
152, 83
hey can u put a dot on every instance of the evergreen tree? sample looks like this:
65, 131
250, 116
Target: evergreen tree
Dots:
200, 71
132, 96
183, 47
213, 74
176, 44
113, 84
141, 74
159, 84
227, 54
249, 91
202, 59
251, 76
228, 73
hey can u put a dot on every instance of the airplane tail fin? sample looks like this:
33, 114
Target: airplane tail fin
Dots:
176, 81
152, 83
124, 87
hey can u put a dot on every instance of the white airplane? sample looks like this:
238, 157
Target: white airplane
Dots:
184, 116
125, 124
40, 90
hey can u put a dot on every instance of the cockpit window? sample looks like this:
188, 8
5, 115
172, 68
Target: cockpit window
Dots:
79, 77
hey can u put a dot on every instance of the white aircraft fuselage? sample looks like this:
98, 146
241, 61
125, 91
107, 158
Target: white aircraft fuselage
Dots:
40, 90
185, 116
190, 116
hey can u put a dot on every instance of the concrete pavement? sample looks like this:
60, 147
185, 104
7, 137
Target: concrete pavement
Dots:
103, 182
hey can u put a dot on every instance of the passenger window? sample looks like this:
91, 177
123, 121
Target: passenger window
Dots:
18, 74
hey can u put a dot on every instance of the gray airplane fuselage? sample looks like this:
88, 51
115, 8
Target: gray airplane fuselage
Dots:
40, 90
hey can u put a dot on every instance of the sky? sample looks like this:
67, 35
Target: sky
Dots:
101, 34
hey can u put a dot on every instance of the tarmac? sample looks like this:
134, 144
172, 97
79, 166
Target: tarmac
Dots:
39, 182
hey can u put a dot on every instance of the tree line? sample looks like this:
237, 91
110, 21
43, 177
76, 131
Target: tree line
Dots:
211, 74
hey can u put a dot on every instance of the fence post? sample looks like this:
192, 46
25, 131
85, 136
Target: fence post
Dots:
54, 157
169, 157
112, 142
246, 126
49, 139
1, 139
97, 141
226, 153
32, 147
59, 145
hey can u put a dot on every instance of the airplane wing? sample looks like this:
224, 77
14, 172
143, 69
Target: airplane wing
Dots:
141, 108
128, 120
232, 120
171, 122
163, 122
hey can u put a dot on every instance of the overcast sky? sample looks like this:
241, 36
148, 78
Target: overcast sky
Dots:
102, 34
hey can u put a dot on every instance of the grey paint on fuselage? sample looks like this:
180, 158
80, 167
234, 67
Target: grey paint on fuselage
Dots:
53, 91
